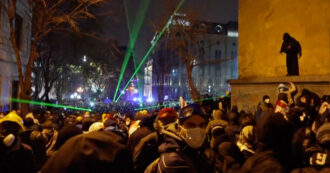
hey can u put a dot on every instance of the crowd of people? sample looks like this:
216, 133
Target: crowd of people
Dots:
291, 135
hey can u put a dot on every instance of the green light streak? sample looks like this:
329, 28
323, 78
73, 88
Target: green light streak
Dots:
150, 49
133, 37
139, 81
171, 104
47, 104
144, 6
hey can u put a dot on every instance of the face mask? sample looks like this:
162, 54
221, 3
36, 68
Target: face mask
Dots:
267, 100
194, 137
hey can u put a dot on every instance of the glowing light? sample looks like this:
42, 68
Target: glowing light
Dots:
80, 90
232, 34
150, 49
84, 58
91, 104
47, 104
150, 99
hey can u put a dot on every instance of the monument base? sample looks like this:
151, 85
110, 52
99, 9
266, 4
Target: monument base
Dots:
247, 93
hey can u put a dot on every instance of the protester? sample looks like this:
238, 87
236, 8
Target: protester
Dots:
294, 136
182, 150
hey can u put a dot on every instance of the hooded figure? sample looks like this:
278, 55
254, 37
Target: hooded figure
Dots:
292, 48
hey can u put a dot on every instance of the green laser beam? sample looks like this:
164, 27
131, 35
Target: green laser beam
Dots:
139, 81
175, 103
144, 6
47, 104
150, 49
133, 37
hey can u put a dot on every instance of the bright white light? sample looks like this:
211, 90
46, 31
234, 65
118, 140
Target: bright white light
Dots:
84, 58
135, 91
78, 97
150, 99
232, 34
122, 92
80, 90
91, 104
71, 96
135, 99
165, 97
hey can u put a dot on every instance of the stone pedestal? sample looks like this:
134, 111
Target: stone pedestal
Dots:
247, 93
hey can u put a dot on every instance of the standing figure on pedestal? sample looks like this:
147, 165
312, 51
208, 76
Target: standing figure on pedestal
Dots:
292, 48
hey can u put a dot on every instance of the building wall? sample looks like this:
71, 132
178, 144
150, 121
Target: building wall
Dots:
208, 78
212, 79
8, 65
261, 27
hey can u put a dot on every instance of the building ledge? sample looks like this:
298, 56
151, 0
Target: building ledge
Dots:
320, 79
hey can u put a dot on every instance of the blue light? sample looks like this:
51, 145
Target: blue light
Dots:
107, 100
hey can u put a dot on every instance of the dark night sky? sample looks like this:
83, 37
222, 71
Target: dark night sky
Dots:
220, 11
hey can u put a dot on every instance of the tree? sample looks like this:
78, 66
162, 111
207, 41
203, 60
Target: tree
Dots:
183, 40
48, 16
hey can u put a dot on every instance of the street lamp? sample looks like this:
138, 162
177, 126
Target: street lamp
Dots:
80, 90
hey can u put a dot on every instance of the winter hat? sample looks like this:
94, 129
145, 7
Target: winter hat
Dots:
188, 111
86, 123
65, 134
323, 134
97, 126
167, 112
281, 87
98, 151
28, 122
110, 124
265, 97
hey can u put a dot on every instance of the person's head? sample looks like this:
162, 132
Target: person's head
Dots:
323, 135
266, 99
79, 119
274, 133
166, 116
48, 129
110, 125
11, 124
220, 105
282, 88
286, 37
218, 114
192, 125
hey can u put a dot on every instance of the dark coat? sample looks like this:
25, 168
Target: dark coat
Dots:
18, 158
98, 151
263, 162
292, 48
178, 157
